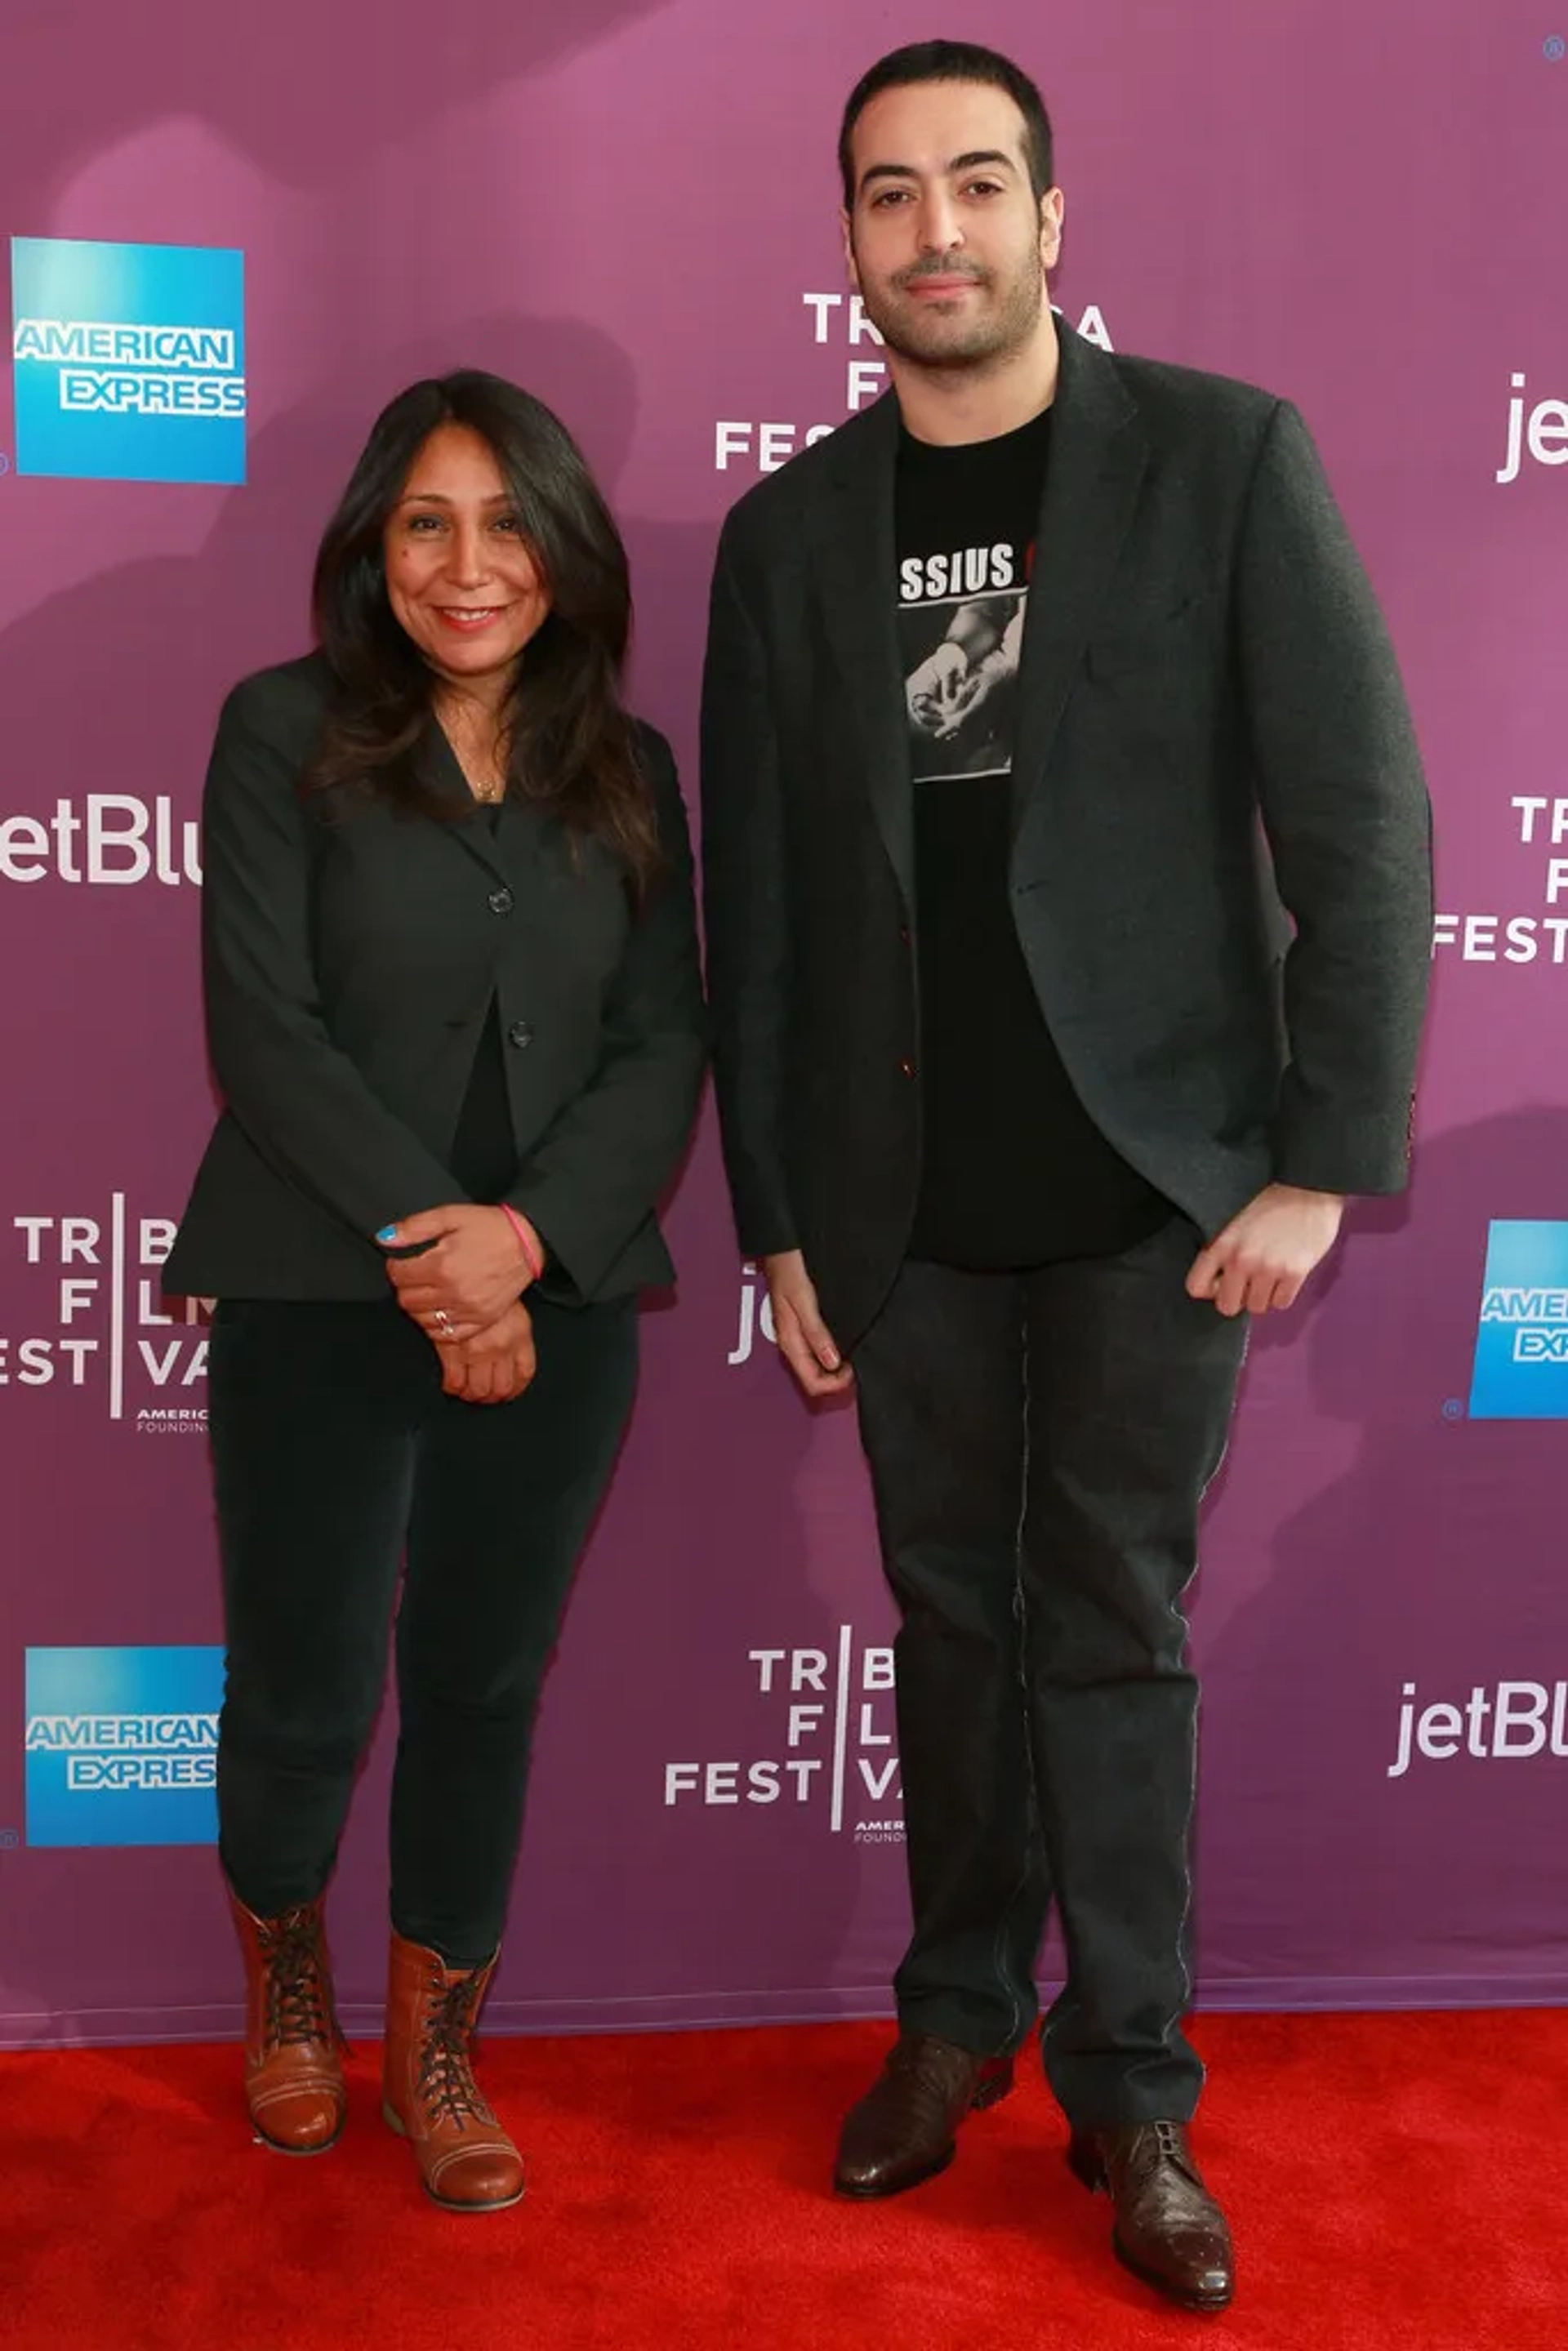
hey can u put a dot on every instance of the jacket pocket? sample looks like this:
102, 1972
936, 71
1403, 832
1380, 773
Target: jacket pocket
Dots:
1135, 647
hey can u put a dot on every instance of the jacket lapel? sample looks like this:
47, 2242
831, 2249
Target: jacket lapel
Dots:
855, 561
469, 825
1098, 459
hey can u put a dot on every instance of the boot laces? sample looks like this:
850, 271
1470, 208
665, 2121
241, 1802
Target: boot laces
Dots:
447, 2089
1164, 2145
299, 2002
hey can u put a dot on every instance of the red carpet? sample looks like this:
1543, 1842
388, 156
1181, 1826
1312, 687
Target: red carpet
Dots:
1393, 2181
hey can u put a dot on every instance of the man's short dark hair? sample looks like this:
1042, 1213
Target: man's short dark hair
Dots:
924, 62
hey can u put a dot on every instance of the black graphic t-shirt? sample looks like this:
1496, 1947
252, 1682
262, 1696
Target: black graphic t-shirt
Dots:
1014, 1172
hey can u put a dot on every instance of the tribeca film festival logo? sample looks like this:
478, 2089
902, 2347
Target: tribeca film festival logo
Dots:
1540, 825
122, 1746
839, 320
99, 1322
1521, 1340
839, 1753
129, 360
1511, 1722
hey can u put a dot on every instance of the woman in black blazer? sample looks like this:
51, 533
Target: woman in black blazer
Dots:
453, 1008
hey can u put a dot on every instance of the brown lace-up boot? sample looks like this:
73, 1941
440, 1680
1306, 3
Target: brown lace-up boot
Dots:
293, 2048
1168, 2227
465, 2159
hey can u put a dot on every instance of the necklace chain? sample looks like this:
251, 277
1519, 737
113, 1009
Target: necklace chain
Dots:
487, 787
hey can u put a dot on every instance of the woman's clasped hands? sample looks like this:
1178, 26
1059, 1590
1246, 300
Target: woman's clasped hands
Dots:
464, 1289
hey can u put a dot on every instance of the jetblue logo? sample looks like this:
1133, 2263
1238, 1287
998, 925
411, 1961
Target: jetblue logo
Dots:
129, 360
1521, 1347
122, 1746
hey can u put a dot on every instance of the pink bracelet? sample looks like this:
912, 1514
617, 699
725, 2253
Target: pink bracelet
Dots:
526, 1234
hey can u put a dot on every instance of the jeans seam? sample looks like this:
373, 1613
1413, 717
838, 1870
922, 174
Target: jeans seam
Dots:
1182, 1943
1021, 1615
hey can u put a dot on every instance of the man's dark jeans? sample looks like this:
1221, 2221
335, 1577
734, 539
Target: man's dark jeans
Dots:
1040, 1443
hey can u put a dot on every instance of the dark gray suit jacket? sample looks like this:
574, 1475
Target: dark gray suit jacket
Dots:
1201, 648
351, 957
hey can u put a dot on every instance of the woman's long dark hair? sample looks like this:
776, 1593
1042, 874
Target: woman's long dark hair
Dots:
569, 745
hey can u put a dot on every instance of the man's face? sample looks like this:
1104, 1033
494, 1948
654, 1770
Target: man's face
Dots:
945, 242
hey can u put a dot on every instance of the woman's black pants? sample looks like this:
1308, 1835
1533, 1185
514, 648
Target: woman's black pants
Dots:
336, 1457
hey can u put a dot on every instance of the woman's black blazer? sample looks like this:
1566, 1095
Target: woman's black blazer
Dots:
350, 958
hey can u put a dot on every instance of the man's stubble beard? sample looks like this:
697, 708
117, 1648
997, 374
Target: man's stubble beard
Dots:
985, 342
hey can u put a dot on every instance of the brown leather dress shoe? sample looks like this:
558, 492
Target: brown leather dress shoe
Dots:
903, 2131
293, 2048
1169, 2231
465, 2159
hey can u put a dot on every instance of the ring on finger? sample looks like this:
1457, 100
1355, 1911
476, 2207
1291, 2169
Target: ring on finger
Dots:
444, 1321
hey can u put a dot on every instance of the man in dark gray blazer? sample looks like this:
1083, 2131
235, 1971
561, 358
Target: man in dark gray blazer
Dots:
1030, 695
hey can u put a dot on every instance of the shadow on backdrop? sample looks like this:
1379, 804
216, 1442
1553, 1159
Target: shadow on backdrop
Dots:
1349, 1881
301, 87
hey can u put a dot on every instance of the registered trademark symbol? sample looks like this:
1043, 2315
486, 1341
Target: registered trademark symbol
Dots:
1453, 1409
1555, 48
9, 1840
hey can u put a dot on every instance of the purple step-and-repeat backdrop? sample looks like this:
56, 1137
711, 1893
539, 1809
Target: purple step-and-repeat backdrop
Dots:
233, 235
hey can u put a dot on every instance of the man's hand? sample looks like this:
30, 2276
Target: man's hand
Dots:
1264, 1254
804, 1340
476, 1269
496, 1365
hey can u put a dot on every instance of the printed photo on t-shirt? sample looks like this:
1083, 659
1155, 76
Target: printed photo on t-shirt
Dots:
960, 631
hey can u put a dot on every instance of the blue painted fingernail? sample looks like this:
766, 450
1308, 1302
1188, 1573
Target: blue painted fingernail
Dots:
387, 1233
